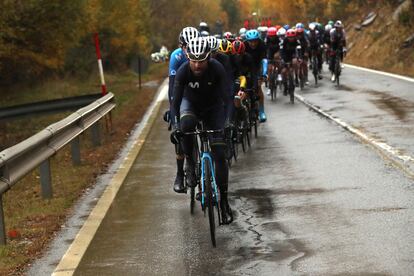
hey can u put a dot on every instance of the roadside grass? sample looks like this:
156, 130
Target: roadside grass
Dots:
34, 220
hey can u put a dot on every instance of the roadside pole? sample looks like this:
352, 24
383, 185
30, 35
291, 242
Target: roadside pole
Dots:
108, 121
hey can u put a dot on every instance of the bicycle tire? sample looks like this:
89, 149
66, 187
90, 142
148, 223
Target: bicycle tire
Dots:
192, 199
291, 89
337, 71
315, 69
209, 202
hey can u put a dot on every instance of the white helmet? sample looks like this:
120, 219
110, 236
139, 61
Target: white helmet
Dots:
187, 34
328, 27
338, 24
281, 32
204, 33
242, 31
312, 26
262, 29
198, 49
213, 43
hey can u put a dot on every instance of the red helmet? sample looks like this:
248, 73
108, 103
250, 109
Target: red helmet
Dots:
291, 33
278, 27
300, 30
271, 31
238, 47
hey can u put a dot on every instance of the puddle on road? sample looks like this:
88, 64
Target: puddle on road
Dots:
396, 106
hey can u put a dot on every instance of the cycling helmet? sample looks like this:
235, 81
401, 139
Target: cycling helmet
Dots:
278, 27
312, 26
204, 33
286, 27
328, 27
227, 35
291, 33
271, 31
252, 35
330, 22
238, 47
203, 27
338, 24
187, 34
281, 32
300, 30
242, 31
225, 46
262, 29
300, 26
213, 43
198, 49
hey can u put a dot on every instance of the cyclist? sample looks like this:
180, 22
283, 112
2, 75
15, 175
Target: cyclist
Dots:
220, 51
304, 53
315, 42
327, 41
288, 52
338, 41
256, 48
273, 47
200, 93
177, 58
203, 26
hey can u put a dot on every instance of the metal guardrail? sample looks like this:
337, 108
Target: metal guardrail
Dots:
19, 160
50, 106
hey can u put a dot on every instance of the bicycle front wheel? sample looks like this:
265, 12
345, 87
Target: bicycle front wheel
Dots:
209, 202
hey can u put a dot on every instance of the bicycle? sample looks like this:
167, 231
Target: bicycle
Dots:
206, 180
315, 66
337, 67
275, 81
290, 82
242, 125
253, 109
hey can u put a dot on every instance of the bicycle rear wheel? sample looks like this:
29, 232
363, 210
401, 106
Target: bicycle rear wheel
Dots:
315, 69
209, 202
291, 89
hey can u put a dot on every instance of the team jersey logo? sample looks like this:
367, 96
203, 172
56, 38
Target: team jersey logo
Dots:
194, 85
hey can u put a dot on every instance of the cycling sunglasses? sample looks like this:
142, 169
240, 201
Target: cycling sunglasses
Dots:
201, 57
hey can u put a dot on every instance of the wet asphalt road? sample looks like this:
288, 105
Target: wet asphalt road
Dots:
309, 199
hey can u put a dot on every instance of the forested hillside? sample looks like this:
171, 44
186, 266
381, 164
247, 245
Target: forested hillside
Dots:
39, 38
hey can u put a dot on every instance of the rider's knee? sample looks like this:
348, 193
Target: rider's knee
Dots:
188, 122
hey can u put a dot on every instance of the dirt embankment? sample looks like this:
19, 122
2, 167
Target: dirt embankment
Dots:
380, 45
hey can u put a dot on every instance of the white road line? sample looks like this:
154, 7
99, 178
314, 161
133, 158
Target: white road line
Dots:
404, 160
77, 249
380, 73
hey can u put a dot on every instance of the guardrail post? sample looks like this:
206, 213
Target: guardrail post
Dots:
96, 134
45, 179
75, 149
2, 224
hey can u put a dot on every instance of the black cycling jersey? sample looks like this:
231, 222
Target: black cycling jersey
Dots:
273, 46
288, 49
203, 92
257, 54
226, 62
315, 40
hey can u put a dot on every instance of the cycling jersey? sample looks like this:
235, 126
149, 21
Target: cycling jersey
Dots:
288, 50
315, 40
226, 62
259, 57
204, 92
273, 46
177, 58
337, 39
